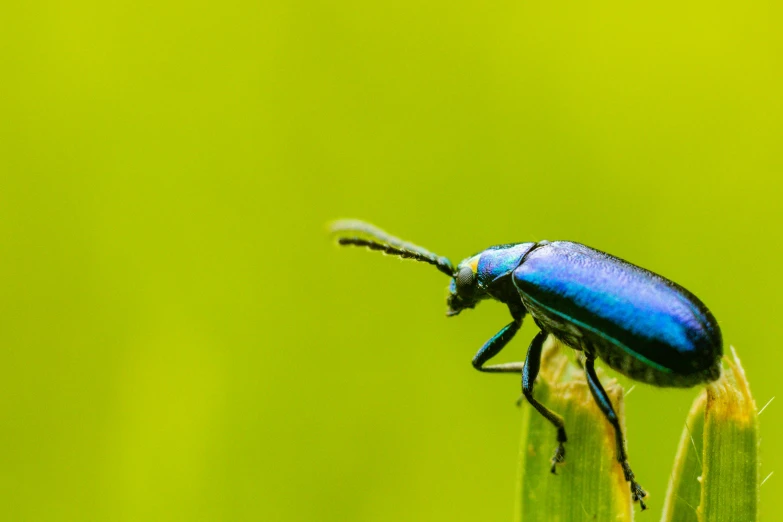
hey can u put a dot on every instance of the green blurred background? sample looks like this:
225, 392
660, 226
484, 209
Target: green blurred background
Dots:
180, 339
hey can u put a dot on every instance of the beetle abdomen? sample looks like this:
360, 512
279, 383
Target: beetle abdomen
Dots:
624, 310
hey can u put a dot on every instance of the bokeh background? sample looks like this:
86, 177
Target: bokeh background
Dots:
179, 338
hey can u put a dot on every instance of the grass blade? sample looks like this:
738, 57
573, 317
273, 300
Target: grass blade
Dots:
683, 495
731, 465
590, 485
716, 471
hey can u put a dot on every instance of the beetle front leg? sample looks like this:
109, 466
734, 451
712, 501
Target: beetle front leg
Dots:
600, 396
529, 370
492, 347
529, 374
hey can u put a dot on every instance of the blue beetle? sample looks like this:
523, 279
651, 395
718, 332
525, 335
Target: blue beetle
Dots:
639, 323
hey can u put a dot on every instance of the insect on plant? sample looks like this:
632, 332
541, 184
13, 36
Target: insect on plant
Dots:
639, 323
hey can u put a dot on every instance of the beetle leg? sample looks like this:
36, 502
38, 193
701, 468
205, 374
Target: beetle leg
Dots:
529, 374
492, 347
529, 370
606, 407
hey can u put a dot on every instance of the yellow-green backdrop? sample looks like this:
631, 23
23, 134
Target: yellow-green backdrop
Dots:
179, 340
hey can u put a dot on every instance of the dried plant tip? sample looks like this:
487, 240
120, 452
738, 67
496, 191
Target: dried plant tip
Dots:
716, 471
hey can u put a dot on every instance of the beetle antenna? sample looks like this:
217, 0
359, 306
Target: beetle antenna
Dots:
358, 233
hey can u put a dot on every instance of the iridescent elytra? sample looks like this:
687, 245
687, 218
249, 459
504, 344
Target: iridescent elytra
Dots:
638, 322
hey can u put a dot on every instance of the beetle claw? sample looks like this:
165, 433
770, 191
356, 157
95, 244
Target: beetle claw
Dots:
637, 493
558, 458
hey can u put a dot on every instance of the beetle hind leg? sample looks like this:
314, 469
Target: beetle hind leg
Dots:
602, 399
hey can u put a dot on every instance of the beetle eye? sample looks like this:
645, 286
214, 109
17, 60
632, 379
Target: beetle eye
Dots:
465, 277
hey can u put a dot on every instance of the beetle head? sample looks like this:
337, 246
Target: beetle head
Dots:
464, 289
